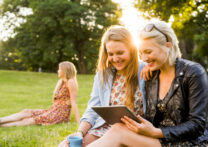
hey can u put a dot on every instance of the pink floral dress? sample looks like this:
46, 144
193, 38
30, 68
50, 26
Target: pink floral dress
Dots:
117, 97
58, 112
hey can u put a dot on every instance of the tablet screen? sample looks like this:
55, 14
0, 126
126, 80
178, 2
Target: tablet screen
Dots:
113, 114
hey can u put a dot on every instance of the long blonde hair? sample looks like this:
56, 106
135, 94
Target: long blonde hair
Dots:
121, 34
70, 72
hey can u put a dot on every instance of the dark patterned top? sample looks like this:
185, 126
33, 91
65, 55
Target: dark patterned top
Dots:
163, 120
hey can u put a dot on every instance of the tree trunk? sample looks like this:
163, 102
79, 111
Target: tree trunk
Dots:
60, 55
81, 63
82, 66
182, 46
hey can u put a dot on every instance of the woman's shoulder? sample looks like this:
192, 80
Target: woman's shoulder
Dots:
103, 80
71, 83
191, 68
108, 73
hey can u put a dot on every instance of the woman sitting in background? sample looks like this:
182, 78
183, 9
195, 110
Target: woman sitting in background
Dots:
64, 99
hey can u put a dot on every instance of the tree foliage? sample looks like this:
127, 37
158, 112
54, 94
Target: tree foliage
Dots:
60, 30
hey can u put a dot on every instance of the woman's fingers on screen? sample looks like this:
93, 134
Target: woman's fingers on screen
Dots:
131, 124
131, 121
140, 119
133, 127
125, 121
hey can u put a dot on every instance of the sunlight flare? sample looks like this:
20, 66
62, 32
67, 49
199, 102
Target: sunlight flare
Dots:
131, 18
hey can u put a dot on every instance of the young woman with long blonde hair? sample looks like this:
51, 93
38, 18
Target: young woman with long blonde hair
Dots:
64, 99
116, 82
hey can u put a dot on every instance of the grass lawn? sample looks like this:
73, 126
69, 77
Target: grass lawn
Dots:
31, 90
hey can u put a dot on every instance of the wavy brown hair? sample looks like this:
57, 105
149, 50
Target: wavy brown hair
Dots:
121, 34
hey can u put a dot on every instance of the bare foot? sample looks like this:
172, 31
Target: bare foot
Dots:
1, 121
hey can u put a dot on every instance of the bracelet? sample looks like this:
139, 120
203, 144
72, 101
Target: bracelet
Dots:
81, 132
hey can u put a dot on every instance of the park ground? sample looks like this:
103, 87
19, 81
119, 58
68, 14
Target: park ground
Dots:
20, 90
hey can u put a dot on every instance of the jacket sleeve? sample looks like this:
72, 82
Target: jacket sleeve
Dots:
90, 115
142, 84
197, 97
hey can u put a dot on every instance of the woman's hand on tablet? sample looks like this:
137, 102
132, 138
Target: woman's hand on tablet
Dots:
144, 127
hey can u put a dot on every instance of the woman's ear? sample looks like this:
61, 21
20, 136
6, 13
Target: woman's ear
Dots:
169, 45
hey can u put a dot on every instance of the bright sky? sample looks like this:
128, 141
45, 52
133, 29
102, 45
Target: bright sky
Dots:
131, 18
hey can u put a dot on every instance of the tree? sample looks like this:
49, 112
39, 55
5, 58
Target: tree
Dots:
190, 22
60, 30
10, 59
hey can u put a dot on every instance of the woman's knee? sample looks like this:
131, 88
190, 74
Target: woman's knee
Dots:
116, 131
117, 128
28, 121
26, 111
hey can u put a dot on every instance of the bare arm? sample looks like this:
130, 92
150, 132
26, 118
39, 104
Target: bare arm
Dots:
84, 127
72, 86
82, 131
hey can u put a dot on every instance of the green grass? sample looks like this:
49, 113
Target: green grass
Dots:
31, 90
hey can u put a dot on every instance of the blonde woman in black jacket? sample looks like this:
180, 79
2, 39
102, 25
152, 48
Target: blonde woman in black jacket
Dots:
176, 97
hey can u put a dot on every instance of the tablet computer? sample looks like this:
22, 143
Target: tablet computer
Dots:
113, 114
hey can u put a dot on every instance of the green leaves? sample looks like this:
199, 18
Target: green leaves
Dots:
60, 30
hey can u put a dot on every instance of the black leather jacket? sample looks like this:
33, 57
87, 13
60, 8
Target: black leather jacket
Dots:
187, 105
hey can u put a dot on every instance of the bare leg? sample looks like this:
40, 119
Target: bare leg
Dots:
23, 122
89, 138
119, 136
17, 116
